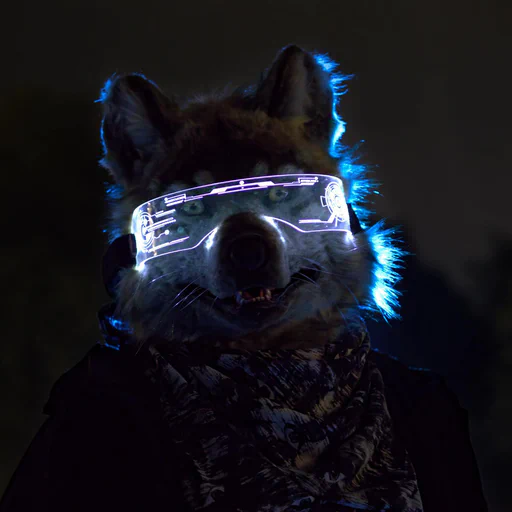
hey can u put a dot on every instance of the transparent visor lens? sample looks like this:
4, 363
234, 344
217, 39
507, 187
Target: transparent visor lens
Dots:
188, 219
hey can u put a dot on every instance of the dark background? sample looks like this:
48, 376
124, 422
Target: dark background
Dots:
430, 99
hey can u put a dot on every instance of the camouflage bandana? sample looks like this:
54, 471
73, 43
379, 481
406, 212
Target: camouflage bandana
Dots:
275, 430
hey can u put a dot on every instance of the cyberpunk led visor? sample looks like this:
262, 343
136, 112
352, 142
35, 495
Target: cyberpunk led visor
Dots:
184, 220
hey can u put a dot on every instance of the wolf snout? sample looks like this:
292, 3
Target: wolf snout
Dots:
249, 251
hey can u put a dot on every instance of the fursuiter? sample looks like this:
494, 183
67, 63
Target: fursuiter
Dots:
306, 283
236, 372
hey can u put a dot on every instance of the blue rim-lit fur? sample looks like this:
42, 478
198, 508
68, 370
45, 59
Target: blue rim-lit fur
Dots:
384, 241
113, 191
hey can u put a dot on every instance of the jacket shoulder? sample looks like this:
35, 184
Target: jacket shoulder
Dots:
100, 447
430, 422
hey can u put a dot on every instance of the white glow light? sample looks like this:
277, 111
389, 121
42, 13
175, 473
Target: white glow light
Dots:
162, 226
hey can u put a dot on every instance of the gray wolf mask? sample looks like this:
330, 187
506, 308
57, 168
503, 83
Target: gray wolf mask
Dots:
252, 267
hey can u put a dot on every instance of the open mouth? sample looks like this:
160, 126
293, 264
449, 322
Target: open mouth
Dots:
254, 294
262, 297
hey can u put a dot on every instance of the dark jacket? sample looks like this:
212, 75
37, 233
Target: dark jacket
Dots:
103, 446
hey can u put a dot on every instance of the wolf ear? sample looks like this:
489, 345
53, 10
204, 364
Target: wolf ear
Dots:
296, 85
137, 121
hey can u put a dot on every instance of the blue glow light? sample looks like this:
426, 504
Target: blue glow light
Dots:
113, 191
113, 194
384, 242
418, 369
385, 270
118, 324
105, 96
106, 89
115, 347
338, 88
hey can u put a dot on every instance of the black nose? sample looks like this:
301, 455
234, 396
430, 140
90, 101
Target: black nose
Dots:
248, 252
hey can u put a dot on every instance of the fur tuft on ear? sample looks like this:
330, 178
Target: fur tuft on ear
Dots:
137, 120
297, 85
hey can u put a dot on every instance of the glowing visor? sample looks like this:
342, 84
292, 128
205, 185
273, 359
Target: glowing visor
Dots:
185, 220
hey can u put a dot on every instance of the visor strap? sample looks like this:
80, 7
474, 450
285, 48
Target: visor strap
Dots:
119, 255
355, 225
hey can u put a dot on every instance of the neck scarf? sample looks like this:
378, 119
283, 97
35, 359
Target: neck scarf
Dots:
281, 430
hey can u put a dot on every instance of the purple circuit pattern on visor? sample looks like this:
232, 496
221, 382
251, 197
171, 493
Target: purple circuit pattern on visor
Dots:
188, 219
